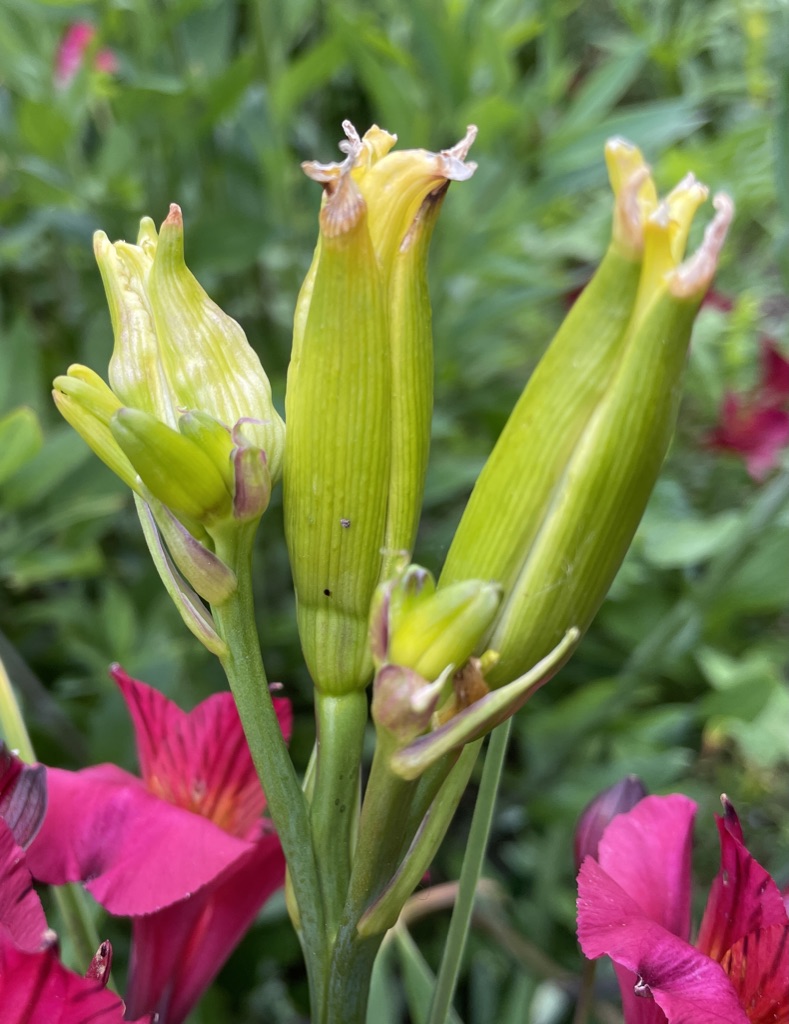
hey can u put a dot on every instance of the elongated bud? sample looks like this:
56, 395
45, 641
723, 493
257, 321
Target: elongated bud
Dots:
354, 445
556, 506
173, 468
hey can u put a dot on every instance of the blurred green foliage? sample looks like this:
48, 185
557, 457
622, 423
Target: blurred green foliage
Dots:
214, 103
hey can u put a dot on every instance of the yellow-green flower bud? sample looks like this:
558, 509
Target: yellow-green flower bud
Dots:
555, 508
360, 393
88, 404
173, 468
175, 349
416, 627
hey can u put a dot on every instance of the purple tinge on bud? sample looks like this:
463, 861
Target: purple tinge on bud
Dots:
403, 701
598, 814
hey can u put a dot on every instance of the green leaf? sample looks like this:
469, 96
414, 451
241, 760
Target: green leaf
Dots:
20, 439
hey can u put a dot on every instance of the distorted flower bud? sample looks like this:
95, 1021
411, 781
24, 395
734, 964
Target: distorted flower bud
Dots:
188, 422
414, 626
175, 349
556, 506
357, 449
599, 812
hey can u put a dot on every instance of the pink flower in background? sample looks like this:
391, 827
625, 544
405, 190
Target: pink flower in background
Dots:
71, 53
634, 906
185, 850
756, 425
35, 987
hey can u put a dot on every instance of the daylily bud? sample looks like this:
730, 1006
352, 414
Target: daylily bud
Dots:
173, 468
556, 506
87, 403
175, 349
599, 812
357, 450
429, 631
188, 424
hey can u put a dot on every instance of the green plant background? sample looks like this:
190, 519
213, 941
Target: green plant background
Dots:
214, 103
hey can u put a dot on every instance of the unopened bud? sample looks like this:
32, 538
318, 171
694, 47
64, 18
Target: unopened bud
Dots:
599, 812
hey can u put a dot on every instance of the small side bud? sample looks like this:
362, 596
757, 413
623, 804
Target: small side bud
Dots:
414, 626
404, 702
173, 468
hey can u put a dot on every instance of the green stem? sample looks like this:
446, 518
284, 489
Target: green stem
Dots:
243, 666
469, 876
383, 831
431, 811
334, 802
72, 902
382, 839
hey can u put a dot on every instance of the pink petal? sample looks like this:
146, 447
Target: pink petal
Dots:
770, 435
743, 897
647, 852
688, 986
600, 811
758, 968
136, 852
21, 914
198, 760
23, 796
72, 49
35, 988
178, 952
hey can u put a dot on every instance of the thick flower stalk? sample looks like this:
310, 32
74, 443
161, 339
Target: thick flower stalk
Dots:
359, 395
555, 507
188, 422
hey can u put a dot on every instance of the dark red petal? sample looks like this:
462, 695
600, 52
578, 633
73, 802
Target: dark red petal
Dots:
136, 852
35, 988
23, 796
688, 986
647, 852
178, 952
758, 968
198, 760
743, 898
21, 913
775, 374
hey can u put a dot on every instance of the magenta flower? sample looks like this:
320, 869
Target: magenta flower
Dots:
71, 53
35, 987
756, 425
634, 906
184, 851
